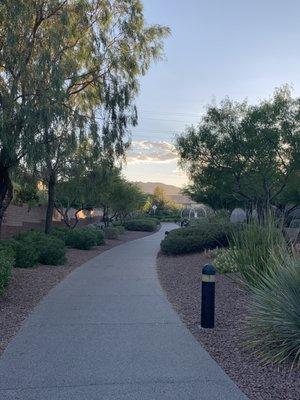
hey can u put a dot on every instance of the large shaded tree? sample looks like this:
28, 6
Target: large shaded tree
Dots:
244, 154
62, 62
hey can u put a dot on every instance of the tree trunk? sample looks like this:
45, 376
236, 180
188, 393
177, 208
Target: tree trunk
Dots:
51, 200
6, 192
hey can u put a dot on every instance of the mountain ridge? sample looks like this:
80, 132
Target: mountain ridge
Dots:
149, 187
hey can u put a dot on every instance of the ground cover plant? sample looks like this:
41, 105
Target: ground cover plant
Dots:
140, 225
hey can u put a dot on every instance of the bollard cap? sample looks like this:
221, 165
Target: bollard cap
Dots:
208, 269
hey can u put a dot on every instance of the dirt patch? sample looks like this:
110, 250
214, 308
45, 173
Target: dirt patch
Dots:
180, 277
29, 286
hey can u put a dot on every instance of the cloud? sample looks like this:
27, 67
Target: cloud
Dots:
146, 151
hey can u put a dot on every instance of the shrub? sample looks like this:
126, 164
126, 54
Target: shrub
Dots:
32, 236
120, 229
140, 225
52, 251
253, 248
196, 238
111, 232
98, 235
272, 327
224, 260
83, 239
61, 233
7, 260
146, 218
26, 253
46, 249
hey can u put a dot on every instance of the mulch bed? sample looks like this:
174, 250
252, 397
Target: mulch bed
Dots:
28, 286
180, 277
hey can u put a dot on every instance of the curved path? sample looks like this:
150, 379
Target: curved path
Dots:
107, 332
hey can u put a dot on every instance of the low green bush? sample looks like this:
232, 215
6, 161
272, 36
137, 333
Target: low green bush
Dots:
120, 229
46, 249
7, 261
61, 233
146, 218
140, 225
111, 232
99, 237
196, 238
52, 251
224, 260
272, 327
83, 239
26, 253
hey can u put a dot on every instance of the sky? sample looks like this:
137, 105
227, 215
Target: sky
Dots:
237, 48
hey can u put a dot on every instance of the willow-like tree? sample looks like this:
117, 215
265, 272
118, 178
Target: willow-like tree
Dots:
62, 63
244, 154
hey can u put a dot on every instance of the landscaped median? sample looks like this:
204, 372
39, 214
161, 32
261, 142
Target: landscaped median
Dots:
31, 263
257, 334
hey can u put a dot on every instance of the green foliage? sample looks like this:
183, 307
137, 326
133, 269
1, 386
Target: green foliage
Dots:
61, 233
26, 253
147, 218
120, 229
125, 198
52, 251
224, 260
68, 61
196, 238
272, 329
111, 232
99, 237
41, 248
244, 154
140, 225
83, 239
252, 250
7, 261
165, 206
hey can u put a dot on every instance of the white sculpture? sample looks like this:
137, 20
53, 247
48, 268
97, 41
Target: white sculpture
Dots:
238, 215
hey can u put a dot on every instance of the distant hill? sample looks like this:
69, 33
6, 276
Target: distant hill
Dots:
148, 187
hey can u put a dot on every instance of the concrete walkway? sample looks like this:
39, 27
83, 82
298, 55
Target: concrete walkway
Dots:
107, 332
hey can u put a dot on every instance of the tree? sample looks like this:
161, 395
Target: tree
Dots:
61, 62
126, 198
244, 153
162, 202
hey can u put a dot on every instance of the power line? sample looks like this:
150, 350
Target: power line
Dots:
166, 120
170, 112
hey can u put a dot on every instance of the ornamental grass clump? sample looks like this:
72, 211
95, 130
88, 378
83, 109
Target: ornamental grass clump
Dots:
253, 248
272, 327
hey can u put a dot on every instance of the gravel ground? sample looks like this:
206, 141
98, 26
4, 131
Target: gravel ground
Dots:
29, 286
180, 277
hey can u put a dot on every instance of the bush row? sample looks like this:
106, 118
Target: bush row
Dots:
146, 225
197, 238
82, 239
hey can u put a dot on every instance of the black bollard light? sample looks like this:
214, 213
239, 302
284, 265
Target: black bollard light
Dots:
208, 297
